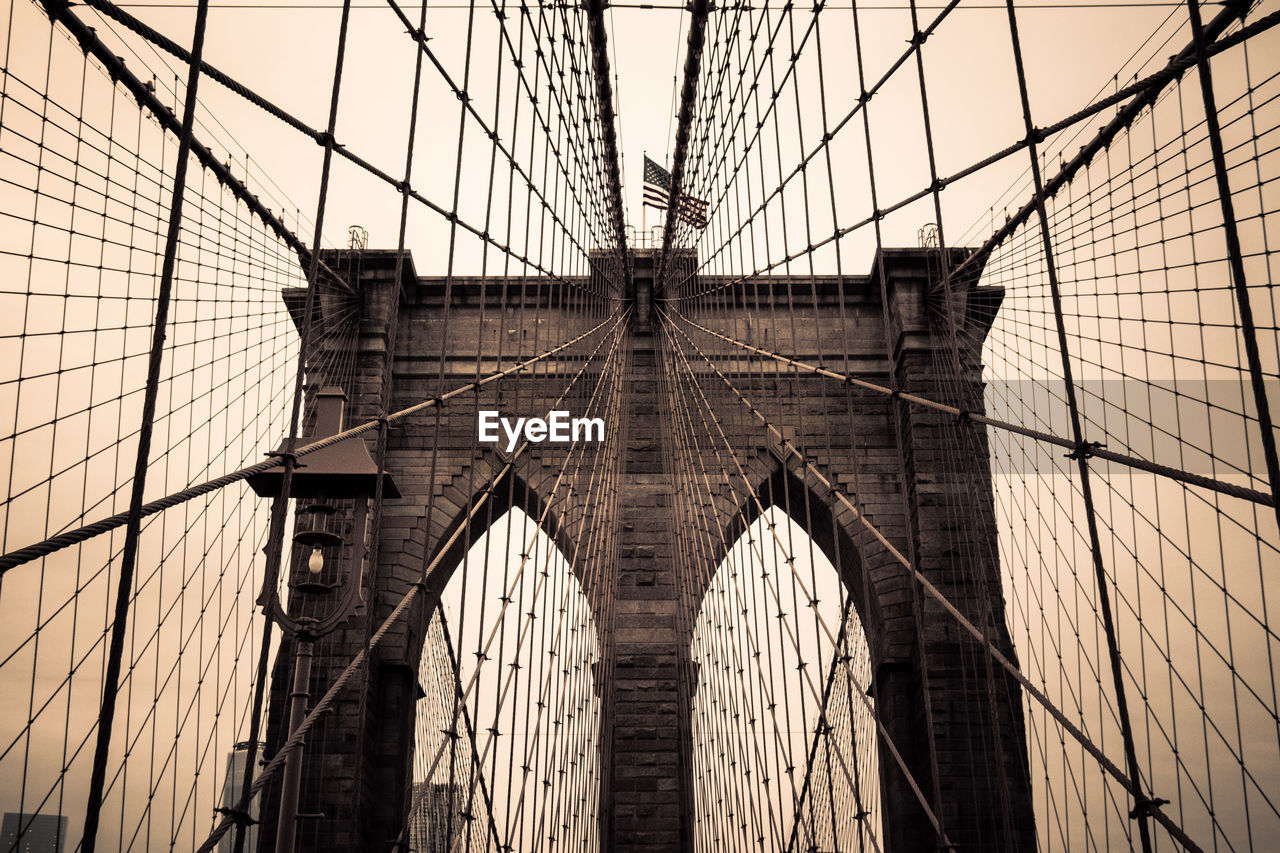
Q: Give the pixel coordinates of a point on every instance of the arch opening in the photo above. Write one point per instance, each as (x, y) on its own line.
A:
(507, 733)
(785, 748)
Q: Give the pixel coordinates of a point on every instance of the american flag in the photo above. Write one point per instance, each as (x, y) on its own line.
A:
(657, 191)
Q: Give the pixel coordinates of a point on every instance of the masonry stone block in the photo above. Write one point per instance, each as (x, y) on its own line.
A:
(896, 463)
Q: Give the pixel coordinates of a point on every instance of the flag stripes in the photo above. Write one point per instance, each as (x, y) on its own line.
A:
(657, 193)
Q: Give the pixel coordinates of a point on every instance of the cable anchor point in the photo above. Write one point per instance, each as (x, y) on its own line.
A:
(239, 817)
(1146, 807)
(1085, 450)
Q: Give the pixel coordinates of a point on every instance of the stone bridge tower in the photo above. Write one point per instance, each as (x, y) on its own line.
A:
(905, 481)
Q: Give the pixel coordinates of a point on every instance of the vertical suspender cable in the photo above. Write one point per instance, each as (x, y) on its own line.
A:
(1239, 283)
(896, 413)
(279, 506)
(133, 529)
(1141, 807)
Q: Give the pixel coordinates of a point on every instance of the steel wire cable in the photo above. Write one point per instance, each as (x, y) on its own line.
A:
(1112, 273)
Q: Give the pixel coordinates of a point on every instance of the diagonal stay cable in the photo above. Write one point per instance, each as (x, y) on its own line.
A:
(357, 662)
(80, 534)
(1230, 489)
(708, 492)
(789, 449)
(464, 694)
(780, 547)
(133, 518)
(1150, 87)
(471, 736)
(823, 726)
(110, 10)
(592, 496)
(115, 66)
(1143, 92)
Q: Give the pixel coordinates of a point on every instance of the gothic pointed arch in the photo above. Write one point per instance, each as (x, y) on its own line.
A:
(508, 695)
(830, 524)
(805, 772)
(508, 490)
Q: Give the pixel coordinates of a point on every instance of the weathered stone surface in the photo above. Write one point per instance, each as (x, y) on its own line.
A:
(898, 462)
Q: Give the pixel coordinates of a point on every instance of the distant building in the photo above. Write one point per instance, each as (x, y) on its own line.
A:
(28, 833)
(232, 788)
(429, 823)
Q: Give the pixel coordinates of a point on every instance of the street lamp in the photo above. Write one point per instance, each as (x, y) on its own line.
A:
(341, 472)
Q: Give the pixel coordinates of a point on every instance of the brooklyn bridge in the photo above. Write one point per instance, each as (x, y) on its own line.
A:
(739, 426)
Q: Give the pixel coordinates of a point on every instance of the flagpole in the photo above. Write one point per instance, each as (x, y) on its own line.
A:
(644, 208)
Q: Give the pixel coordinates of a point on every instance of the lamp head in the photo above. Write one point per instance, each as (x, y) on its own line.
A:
(343, 470)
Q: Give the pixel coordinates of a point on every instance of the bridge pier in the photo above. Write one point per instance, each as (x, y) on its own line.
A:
(647, 796)
(357, 766)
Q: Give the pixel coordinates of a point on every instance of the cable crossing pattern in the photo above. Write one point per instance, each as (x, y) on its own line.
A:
(923, 488)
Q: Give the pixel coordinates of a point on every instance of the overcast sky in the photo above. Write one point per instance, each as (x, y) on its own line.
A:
(1074, 51)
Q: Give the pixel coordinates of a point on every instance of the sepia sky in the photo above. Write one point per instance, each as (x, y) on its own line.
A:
(1194, 575)
(287, 56)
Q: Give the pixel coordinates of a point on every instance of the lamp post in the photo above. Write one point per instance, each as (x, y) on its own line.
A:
(342, 472)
